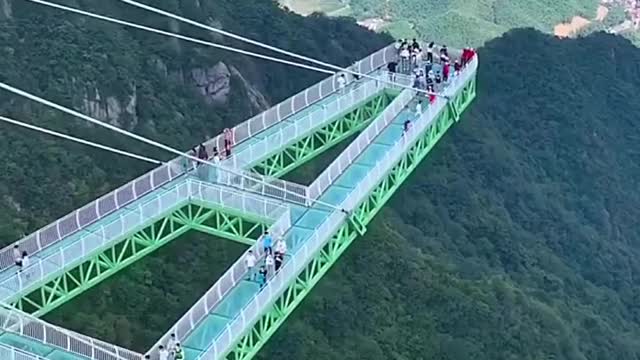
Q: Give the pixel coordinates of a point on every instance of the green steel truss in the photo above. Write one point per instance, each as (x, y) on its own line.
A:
(59, 288)
(264, 328)
(307, 148)
(62, 287)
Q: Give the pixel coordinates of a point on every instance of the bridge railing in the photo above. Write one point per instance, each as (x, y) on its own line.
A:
(349, 155)
(228, 198)
(403, 144)
(11, 353)
(302, 99)
(235, 274)
(90, 213)
(24, 325)
(297, 129)
(254, 183)
(132, 219)
(303, 255)
(126, 194)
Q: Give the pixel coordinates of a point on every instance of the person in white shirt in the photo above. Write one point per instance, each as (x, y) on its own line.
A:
(342, 82)
(269, 262)
(163, 354)
(17, 256)
(419, 108)
(171, 344)
(281, 246)
(250, 262)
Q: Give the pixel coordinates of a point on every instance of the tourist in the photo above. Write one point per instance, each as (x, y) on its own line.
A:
(406, 127)
(163, 354)
(456, 68)
(267, 243)
(432, 94)
(279, 258)
(262, 276)
(392, 68)
(250, 262)
(342, 83)
(428, 67)
(171, 344)
(430, 48)
(269, 262)
(24, 262)
(17, 256)
(228, 141)
(415, 45)
(445, 71)
(179, 352)
(444, 54)
(202, 152)
(419, 109)
(281, 246)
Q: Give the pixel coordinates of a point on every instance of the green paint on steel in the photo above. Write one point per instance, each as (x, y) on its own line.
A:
(303, 150)
(63, 286)
(248, 346)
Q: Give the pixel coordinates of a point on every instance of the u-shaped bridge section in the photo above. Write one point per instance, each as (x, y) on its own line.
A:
(238, 201)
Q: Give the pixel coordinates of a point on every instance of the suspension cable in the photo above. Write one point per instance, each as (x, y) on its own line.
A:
(178, 36)
(151, 142)
(267, 46)
(81, 141)
(224, 47)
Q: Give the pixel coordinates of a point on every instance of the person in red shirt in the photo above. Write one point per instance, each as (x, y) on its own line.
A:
(465, 55)
(432, 95)
(445, 72)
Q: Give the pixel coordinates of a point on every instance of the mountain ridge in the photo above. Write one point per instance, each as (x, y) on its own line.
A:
(515, 239)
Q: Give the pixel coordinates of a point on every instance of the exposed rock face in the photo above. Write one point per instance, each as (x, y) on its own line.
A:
(5, 10)
(258, 101)
(110, 109)
(214, 83)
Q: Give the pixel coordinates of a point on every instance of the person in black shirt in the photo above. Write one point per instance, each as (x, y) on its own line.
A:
(278, 258)
(415, 45)
(392, 67)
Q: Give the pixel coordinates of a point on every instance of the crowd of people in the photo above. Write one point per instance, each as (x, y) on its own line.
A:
(172, 351)
(273, 259)
(429, 72)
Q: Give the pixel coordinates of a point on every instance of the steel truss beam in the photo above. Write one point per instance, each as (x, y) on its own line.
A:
(264, 328)
(322, 139)
(107, 261)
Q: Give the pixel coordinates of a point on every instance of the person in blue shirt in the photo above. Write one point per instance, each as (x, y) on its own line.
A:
(267, 243)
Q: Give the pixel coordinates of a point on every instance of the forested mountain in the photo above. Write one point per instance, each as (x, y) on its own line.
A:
(516, 239)
(171, 91)
(472, 22)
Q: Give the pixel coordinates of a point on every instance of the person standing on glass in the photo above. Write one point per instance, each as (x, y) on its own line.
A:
(267, 243)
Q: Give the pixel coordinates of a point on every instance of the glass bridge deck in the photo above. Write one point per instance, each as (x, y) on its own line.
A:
(264, 136)
(305, 221)
(336, 102)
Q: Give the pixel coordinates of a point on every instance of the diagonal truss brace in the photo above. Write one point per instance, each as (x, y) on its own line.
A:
(248, 346)
(310, 146)
(64, 286)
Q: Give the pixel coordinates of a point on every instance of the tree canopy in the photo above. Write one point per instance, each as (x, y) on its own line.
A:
(516, 239)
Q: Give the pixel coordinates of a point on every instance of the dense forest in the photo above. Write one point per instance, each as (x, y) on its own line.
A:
(475, 21)
(455, 22)
(516, 239)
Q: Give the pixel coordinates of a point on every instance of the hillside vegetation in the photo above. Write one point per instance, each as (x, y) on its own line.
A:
(464, 22)
(516, 239)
